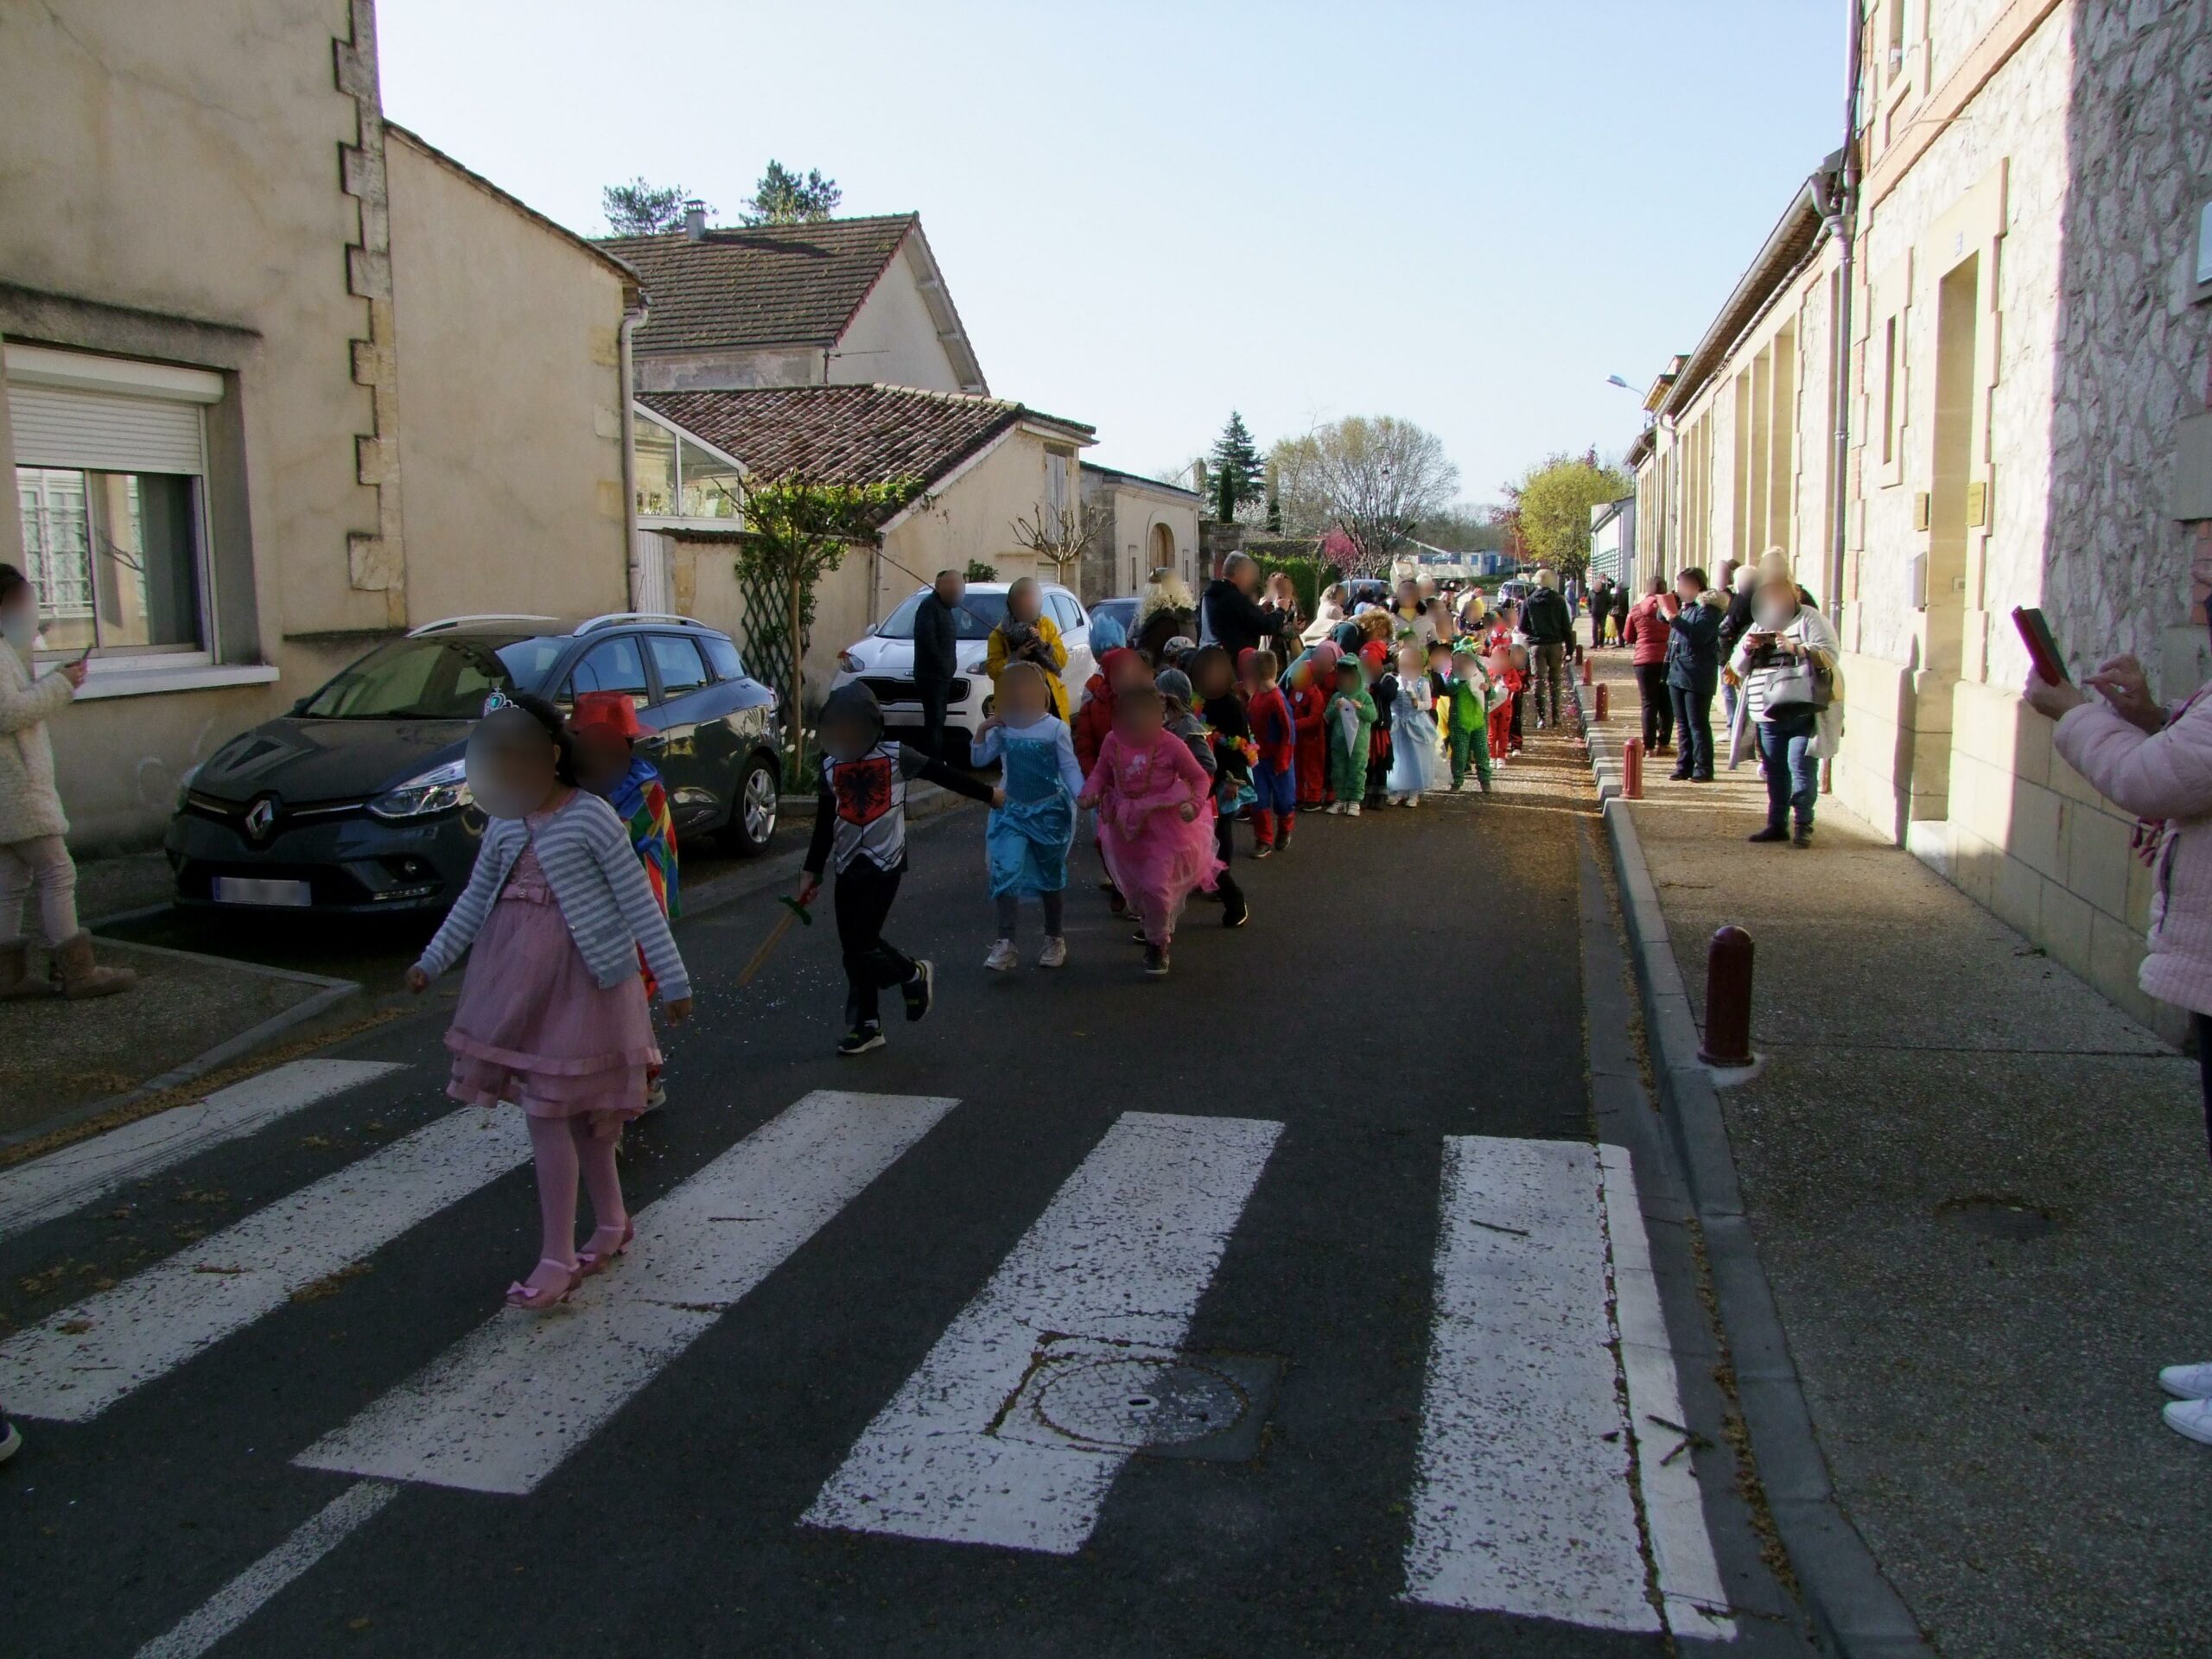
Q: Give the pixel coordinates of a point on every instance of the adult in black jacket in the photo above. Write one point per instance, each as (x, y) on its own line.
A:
(1232, 619)
(1693, 670)
(1550, 628)
(1739, 580)
(937, 657)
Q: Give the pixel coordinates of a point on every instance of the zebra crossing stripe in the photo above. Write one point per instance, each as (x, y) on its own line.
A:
(1521, 1501)
(244, 1596)
(1121, 1255)
(75, 1176)
(1673, 1509)
(501, 1409)
(75, 1364)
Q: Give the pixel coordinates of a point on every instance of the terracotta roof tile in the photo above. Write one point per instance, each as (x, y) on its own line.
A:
(847, 434)
(770, 285)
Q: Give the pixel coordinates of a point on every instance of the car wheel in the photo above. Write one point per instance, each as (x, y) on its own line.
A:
(752, 819)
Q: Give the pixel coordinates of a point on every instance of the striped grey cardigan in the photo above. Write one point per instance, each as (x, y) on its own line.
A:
(596, 879)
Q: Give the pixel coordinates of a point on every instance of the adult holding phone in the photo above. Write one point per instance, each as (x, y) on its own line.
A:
(2155, 762)
(1787, 662)
(34, 857)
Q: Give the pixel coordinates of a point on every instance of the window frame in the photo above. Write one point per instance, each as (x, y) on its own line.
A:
(678, 437)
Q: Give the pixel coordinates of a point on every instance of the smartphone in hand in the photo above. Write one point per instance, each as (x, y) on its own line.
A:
(2043, 649)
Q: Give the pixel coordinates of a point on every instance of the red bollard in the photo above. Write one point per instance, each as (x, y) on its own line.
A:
(1727, 999)
(1602, 689)
(1632, 769)
(1586, 671)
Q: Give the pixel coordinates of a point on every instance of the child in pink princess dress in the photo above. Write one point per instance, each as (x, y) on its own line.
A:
(553, 1014)
(1151, 791)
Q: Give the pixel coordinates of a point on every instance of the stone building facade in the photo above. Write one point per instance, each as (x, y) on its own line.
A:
(2029, 341)
(244, 314)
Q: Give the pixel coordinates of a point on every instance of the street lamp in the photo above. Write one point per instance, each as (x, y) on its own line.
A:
(1615, 380)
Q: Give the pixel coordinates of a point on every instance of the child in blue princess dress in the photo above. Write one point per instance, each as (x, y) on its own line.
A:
(1026, 840)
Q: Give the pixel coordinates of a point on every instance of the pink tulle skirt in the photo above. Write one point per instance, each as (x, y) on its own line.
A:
(533, 1027)
(1159, 868)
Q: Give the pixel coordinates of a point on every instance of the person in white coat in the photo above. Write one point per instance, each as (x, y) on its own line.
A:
(33, 858)
(1787, 662)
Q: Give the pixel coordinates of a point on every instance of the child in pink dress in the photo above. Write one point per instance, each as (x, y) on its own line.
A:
(1150, 791)
(553, 1014)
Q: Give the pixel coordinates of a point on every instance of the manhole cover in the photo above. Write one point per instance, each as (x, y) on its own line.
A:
(1139, 1403)
(1998, 1217)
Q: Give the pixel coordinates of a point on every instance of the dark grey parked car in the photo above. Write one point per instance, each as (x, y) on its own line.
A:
(355, 802)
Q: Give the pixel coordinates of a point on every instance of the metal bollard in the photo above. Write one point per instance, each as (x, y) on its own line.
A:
(1727, 999)
(1632, 769)
(1602, 688)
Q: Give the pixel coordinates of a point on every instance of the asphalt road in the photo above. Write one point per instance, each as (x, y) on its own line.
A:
(1406, 979)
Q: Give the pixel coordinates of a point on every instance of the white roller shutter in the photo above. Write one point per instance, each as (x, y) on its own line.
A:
(58, 426)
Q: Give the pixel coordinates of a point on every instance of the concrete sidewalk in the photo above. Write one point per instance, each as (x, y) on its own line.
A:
(1977, 1191)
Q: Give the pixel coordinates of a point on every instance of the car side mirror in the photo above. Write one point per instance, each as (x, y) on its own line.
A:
(300, 706)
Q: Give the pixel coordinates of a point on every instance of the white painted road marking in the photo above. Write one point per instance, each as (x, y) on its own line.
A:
(501, 1409)
(68, 1180)
(82, 1360)
(1122, 1254)
(1521, 1501)
(244, 1596)
(1674, 1510)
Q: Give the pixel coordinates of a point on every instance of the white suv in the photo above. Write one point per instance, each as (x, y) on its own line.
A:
(883, 660)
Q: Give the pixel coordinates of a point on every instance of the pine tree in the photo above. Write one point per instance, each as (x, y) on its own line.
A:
(1240, 470)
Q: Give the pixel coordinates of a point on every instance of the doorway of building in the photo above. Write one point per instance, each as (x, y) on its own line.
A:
(1943, 645)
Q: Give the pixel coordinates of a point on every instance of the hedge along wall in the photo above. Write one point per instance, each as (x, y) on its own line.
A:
(1308, 575)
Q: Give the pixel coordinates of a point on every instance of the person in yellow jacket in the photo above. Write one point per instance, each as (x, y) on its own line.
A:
(1028, 635)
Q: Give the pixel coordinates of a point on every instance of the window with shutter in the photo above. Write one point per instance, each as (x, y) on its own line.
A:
(110, 461)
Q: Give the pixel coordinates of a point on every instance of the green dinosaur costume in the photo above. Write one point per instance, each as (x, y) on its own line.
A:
(1348, 750)
(1467, 724)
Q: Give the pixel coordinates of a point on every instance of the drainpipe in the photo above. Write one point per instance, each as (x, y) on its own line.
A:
(1846, 216)
(631, 317)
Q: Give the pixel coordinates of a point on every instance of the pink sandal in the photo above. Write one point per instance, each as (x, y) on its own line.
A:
(537, 1301)
(593, 1262)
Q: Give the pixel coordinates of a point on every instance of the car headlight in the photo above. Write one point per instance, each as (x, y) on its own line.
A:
(440, 790)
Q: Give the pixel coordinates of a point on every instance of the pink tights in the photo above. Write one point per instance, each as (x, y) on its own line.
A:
(566, 1147)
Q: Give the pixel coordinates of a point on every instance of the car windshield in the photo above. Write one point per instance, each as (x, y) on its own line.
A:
(445, 676)
(977, 615)
(1124, 611)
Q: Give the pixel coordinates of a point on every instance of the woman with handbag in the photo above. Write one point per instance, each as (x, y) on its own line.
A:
(1787, 662)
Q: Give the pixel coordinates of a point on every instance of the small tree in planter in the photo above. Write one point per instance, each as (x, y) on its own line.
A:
(1057, 536)
(795, 532)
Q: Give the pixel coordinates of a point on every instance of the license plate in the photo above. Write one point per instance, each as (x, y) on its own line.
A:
(258, 890)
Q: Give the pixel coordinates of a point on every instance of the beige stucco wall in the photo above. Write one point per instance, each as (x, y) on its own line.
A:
(186, 165)
(511, 437)
(892, 340)
(970, 518)
(1138, 513)
(729, 370)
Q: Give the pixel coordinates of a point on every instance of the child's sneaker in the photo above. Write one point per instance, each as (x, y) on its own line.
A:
(1235, 910)
(2192, 1418)
(1155, 960)
(1353, 811)
(1263, 850)
(920, 989)
(656, 1092)
(860, 1040)
(10, 1441)
(1004, 958)
(1054, 955)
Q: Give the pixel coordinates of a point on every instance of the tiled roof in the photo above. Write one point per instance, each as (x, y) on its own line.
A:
(847, 434)
(771, 285)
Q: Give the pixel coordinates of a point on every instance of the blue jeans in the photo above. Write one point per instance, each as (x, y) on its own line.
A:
(1793, 771)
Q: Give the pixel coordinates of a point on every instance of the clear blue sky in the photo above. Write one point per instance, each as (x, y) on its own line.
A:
(1466, 214)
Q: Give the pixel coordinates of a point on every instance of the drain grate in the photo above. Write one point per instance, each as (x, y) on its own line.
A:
(1995, 1216)
(1108, 1397)
(1141, 1404)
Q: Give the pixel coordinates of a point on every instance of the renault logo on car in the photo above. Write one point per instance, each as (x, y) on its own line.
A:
(260, 818)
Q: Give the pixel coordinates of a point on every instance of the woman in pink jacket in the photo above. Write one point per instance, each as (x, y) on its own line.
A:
(2157, 763)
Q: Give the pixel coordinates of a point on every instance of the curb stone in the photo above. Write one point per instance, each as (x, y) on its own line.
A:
(332, 1000)
(1854, 1607)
